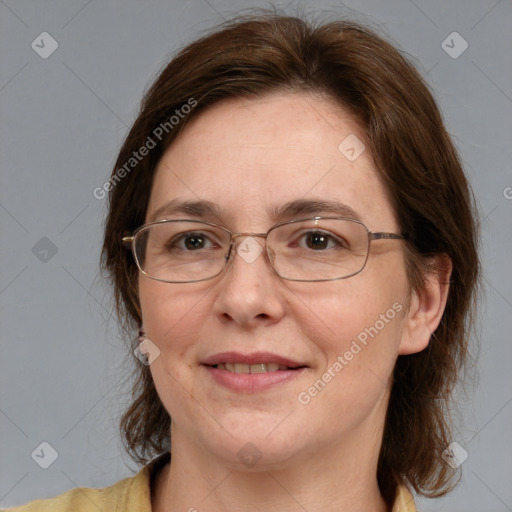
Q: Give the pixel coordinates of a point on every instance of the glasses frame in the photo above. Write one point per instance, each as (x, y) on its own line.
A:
(130, 241)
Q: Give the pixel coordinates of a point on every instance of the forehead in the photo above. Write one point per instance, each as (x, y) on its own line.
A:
(250, 156)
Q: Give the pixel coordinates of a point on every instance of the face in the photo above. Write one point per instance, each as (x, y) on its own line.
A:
(343, 336)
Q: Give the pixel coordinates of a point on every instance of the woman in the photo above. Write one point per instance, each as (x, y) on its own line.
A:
(291, 232)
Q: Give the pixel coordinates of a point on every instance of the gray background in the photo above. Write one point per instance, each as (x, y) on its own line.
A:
(63, 364)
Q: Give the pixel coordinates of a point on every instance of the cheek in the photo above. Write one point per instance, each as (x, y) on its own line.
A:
(357, 324)
(358, 332)
(344, 311)
(170, 312)
(172, 320)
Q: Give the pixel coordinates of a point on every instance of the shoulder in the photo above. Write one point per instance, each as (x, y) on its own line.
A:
(129, 494)
(84, 499)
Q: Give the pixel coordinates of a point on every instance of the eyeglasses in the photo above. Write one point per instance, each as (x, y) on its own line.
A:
(314, 249)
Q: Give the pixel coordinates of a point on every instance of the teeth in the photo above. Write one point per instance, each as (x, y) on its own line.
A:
(242, 368)
(251, 368)
(258, 368)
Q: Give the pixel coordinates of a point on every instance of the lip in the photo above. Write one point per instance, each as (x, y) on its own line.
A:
(254, 358)
(251, 382)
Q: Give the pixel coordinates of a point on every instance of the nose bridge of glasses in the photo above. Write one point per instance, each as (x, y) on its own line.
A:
(249, 252)
(235, 236)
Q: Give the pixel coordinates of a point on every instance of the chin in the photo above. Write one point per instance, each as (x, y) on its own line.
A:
(254, 441)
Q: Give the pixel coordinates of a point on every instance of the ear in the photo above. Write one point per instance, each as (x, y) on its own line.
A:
(426, 307)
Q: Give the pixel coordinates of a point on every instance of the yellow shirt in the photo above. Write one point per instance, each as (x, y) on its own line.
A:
(133, 494)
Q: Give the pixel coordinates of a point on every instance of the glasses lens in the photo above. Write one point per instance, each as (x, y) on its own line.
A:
(178, 251)
(317, 250)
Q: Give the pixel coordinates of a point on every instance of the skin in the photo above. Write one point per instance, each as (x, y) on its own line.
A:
(247, 156)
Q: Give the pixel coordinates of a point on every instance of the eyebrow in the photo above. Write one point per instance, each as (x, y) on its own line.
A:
(278, 213)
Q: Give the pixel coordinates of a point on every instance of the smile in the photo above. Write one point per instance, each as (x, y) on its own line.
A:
(251, 373)
(252, 368)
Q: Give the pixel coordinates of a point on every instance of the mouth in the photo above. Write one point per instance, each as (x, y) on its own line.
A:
(251, 372)
(258, 362)
(254, 368)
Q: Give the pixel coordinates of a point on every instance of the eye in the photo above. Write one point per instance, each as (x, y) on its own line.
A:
(320, 240)
(191, 241)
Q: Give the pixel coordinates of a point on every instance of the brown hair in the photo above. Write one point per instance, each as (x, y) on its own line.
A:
(416, 159)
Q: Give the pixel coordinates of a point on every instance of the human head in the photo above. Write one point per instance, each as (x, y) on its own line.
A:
(417, 163)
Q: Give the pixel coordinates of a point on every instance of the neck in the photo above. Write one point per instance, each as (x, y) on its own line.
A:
(335, 478)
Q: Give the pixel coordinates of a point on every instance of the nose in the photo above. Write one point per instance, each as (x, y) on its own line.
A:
(250, 293)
